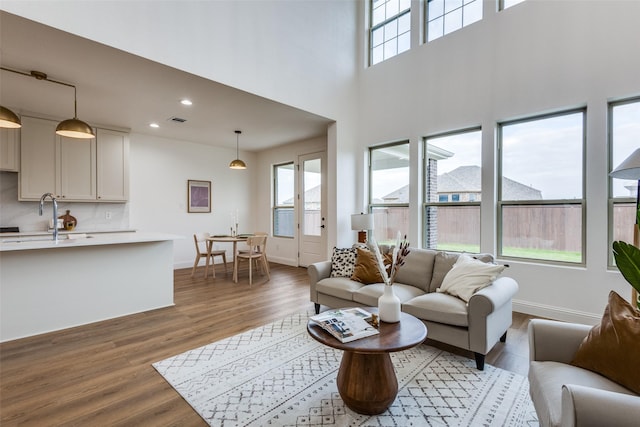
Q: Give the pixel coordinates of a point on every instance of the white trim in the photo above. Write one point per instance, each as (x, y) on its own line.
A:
(556, 313)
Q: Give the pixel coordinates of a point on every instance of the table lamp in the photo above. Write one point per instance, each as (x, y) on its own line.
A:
(630, 169)
(362, 222)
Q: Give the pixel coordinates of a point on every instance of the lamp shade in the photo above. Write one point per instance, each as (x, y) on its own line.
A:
(237, 164)
(362, 222)
(74, 128)
(8, 119)
(629, 168)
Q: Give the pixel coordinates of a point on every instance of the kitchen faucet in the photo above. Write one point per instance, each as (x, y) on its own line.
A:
(55, 213)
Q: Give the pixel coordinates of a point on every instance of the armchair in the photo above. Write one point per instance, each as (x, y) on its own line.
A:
(566, 395)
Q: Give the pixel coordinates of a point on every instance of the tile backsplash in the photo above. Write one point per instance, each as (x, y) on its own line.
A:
(90, 216)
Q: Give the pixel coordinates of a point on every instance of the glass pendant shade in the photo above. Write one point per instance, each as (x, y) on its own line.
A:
(8, 119)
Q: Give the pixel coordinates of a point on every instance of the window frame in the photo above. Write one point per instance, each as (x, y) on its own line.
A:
(277, 206)
(427, 19)
(425, 173)
(500, 204)
(373, 28)
(371, 206)
(611, 200)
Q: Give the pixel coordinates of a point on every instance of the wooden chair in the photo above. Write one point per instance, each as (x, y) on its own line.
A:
(201, 243)
(258, 248)
(253, 254)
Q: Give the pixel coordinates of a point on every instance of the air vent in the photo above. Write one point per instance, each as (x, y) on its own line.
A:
(177, 119)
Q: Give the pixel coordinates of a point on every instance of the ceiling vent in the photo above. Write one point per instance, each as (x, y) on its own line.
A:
(177, 119)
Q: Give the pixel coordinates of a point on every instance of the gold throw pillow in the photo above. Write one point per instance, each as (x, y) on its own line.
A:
(612, 348)
(366, 268)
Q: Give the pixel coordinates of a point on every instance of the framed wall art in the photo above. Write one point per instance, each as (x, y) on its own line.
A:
(198, 196)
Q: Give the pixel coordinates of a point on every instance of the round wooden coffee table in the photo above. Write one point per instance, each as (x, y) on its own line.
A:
(366, 379)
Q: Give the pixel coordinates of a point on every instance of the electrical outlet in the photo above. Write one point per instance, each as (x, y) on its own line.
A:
(107, 215)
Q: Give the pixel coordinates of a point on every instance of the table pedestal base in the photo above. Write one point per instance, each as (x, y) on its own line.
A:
(367, 382)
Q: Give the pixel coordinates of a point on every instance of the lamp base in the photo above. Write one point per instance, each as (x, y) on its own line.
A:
(362, 236)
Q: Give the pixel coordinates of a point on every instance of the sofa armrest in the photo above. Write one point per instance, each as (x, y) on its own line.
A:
(489, 299)
(317, 271)
(555, 341)
(587, 406)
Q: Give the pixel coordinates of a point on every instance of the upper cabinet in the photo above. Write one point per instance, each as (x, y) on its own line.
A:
(113, 165)
(79, 170)
(9, 150)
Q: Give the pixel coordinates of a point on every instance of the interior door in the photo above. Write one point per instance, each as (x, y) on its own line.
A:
(312, 208)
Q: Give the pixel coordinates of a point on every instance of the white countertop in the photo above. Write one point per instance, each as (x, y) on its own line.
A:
(30, 242)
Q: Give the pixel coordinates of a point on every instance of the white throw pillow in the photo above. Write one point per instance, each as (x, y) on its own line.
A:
(467, 276)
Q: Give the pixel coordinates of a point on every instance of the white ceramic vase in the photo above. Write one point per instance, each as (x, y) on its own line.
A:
(389, 306)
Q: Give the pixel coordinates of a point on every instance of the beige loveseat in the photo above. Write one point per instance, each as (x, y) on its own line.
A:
(476, 326)
(566, 395)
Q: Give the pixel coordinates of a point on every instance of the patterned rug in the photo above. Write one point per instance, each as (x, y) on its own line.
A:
(276, 375)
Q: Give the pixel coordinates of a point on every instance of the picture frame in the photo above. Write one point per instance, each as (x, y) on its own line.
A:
(198, 196)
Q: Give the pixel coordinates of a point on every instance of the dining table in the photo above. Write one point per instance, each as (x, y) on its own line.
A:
(225, 239)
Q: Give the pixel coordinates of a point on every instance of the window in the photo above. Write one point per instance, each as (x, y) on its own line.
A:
(446, 16)
(389, 190)
(452, 173)
(283, 200)
(541, 188)
(505, 4)
(624, 125)
(390, 31)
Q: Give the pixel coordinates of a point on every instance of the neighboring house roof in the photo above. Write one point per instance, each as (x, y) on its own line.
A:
(467, 179)
(312, 195)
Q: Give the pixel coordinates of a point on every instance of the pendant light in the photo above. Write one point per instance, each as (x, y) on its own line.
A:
(237, 163)
(8, 119)
(73, 128)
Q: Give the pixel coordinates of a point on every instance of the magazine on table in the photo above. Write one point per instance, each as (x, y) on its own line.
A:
(346, 324)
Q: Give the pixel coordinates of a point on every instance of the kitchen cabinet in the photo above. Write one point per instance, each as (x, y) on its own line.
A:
(113, 165)
(9, 150)
(78, 170)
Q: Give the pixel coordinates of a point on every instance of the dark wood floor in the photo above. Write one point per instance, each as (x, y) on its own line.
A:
(101, 374)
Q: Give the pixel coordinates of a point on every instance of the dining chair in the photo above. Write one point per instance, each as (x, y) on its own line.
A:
(253, 254)
(258, 248)
(200, 240)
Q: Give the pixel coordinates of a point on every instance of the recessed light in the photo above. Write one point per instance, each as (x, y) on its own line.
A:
(186, 102)
(154, 125)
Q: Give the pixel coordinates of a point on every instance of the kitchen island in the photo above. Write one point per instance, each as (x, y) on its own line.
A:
(47, 286)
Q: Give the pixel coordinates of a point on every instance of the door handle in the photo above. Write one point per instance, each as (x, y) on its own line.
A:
(322, 226)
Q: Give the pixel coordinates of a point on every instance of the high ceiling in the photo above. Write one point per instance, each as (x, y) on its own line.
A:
(115, 88)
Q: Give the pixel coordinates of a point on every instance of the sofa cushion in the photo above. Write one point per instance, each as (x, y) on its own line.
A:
(343, 261)
(612, 347)
(545, 386)
(468, 276)
(440, 308)
(444, 262)
(366, 270)
(339, 287)
(417, 269)
(368, 295)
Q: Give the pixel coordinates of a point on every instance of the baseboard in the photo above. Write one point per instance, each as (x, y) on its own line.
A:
(556, 313)
(278, 260)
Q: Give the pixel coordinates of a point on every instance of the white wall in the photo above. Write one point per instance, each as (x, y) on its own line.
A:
(160, 169)
(536, 57)
(301, 53)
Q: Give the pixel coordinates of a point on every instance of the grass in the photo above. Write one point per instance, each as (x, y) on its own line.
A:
(528, 253)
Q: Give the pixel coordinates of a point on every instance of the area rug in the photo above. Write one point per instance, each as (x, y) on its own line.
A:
(277, 375)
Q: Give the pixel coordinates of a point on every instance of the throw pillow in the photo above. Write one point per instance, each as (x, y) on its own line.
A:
(442, 265)
(343, 261)
(612, 348)
(366, 270)
(467, 276)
